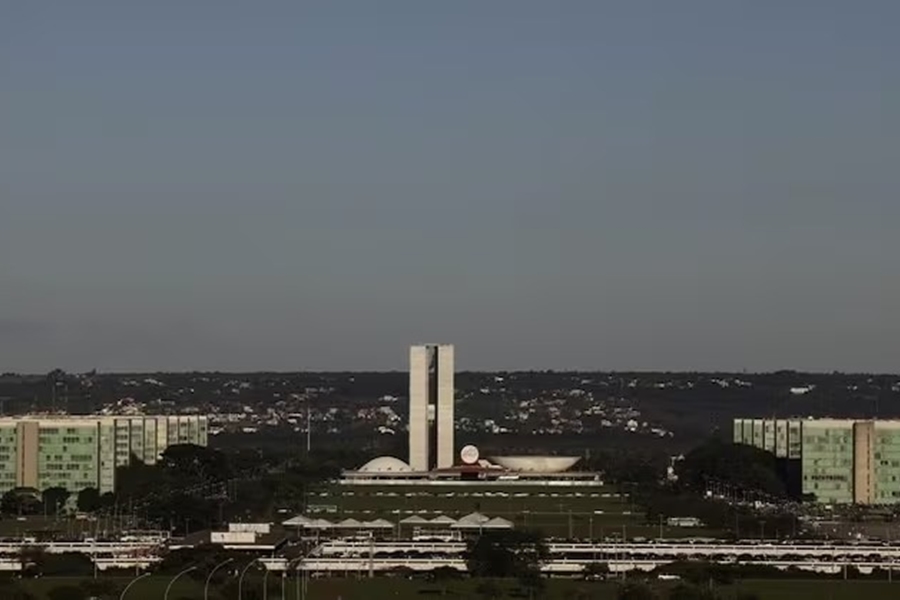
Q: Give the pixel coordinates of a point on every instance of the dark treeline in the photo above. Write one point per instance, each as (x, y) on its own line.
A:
(192, 488)
(731, 488)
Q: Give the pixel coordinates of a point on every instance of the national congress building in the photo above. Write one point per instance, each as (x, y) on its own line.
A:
(431, 399)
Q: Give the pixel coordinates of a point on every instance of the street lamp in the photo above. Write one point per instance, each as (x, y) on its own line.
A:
(266, 584)
(131, 583)
(210, 576)
(287, 570)
(169, 587)
(241, 578)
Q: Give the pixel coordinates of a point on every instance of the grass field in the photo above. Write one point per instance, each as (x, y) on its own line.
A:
(400, 589)
(583, 512)
(596, 512)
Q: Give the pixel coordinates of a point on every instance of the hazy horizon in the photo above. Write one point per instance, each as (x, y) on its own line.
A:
(621, 186)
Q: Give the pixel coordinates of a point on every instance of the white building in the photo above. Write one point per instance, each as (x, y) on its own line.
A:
(431, 398)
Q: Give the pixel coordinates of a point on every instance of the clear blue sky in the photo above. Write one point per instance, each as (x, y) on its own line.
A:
(572, 184)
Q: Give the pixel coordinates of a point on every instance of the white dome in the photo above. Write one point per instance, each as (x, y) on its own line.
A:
(385, 464)
(536, 464)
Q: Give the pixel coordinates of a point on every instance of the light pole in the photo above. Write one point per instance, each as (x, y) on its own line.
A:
(210, 576)
(266, 584)
(241, 578)
(169, 587)
(287, 571)
(131, 583)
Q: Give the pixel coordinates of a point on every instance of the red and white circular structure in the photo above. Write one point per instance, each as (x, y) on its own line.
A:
(469, 455)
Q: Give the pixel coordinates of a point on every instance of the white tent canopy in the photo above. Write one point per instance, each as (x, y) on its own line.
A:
(474, 520)
(379, 524)
(414, 520)
(349, 524)
(498, 523)
(442, 520)
(298, 521)
(320, 524)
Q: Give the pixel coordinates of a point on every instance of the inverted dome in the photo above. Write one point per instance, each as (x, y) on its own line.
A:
(536, 464)
(385, 464)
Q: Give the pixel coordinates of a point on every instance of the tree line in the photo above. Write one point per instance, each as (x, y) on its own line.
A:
(189, 488)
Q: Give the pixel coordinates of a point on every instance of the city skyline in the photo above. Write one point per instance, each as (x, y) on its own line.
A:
(610, 186)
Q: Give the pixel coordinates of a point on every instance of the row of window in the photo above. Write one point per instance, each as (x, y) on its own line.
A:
(89, 439)
(828, 462)
(827, 449)
(834, 487)
(830, 439)
(825, 477)
(65, 467)
(68, 430)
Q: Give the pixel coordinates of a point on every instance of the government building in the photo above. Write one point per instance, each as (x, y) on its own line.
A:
(77, 452)
(841, 461)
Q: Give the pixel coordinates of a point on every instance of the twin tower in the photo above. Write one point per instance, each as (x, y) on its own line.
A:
(431, 397)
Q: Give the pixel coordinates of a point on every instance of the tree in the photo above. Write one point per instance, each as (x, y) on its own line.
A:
(182, 513)
(89, 500)
(137, 479)
(21, 501)
(507, 553)
(67, 564)
(286, 487)
(743, 467)
(194, 464)
(54, 499)
(639, 467)
(107, 500)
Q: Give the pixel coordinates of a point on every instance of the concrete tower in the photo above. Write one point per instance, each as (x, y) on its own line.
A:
(431, 397)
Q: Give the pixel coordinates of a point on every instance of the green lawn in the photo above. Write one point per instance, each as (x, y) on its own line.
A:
(589, 511)
(401, 589)
(822, 590)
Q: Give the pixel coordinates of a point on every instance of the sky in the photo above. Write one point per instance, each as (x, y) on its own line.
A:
(615, 185)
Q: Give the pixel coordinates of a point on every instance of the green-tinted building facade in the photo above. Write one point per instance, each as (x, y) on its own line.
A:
(841, 461)
(827, 456)
(77, 452)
